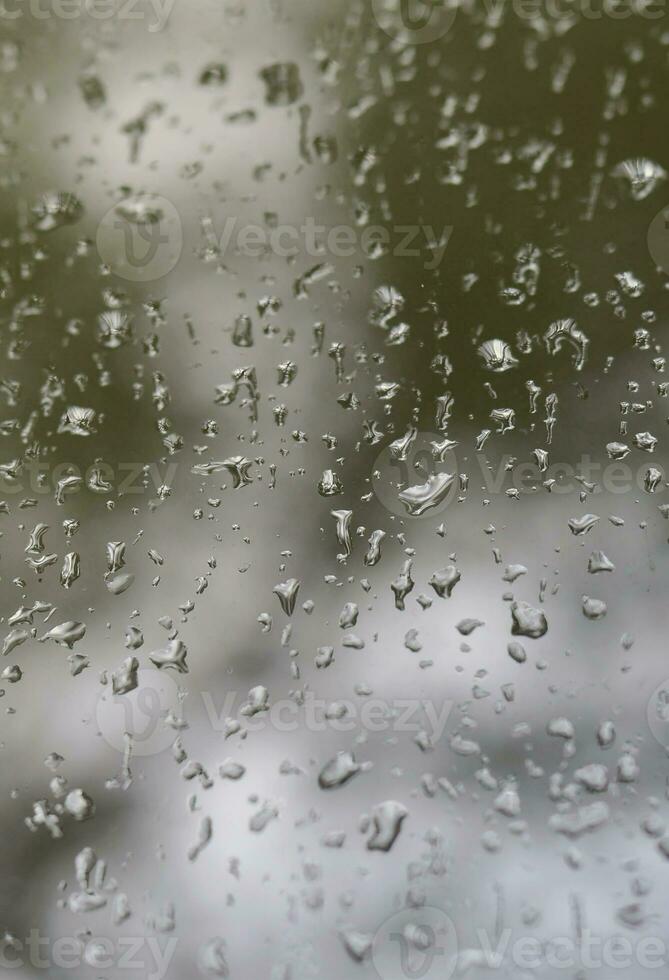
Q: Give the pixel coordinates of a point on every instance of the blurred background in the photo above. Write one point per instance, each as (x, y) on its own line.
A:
(507, 168)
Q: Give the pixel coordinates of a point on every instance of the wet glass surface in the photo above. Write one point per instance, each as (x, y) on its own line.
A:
(333, 494)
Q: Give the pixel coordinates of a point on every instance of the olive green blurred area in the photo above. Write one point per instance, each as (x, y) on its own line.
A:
(501, 139)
